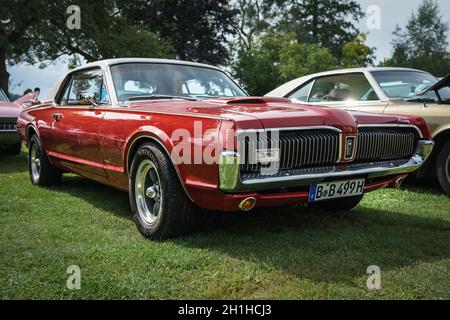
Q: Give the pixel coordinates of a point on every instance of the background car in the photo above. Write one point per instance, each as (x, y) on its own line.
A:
(180, 136)
(385, 90)
(10, 142)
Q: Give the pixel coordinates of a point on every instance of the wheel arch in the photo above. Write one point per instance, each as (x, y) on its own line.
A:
(139, 139)
(30, 131)
(440, 139)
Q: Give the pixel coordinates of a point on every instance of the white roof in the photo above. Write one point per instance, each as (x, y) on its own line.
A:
(110, 62)
(291, 85)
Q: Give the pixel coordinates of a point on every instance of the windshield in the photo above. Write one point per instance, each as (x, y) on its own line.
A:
(3, 96)
(156, 80)
(407, 84)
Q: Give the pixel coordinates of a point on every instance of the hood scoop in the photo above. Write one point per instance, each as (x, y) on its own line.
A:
(257, 100)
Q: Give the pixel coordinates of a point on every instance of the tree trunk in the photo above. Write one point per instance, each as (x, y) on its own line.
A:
(4, 74)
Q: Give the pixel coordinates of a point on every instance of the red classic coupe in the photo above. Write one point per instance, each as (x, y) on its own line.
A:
(179, 136)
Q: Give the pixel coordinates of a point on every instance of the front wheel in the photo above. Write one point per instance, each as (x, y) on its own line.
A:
(338, 205)
(161, 208)
(443, 168)
(42, 172)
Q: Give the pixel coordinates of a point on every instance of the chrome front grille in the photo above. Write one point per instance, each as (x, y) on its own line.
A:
(8, 126)
(297, 149)
(378, 144)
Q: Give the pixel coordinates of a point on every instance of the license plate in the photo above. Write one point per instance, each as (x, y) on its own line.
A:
(334, 190)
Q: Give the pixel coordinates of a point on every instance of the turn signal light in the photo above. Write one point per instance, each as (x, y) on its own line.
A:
(247, 204)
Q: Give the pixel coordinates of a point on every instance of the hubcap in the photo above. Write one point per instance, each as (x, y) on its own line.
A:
(148, 193)
(35, 162)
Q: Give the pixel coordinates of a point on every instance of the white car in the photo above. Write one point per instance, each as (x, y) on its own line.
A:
(385, 90)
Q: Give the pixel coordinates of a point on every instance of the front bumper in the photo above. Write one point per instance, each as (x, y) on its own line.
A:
(232, 181)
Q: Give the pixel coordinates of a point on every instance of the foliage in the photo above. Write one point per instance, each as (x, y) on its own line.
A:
(326, 23)
(36, 31)
(356, 54)
(297, 59)
(280, 40)
(196, 29)
(423, 44)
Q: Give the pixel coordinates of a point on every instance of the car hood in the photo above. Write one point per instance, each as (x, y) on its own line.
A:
(270, 112)
(9, 110)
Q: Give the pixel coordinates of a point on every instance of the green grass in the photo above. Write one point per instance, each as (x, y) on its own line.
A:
(290, 253)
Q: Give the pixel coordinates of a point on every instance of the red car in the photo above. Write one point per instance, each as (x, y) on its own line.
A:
(9, 112)
(180, 136)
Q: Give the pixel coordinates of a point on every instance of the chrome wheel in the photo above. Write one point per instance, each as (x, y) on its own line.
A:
(35, 162)
(148, 193)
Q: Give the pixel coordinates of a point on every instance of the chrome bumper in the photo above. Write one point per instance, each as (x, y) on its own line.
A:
(232, 181)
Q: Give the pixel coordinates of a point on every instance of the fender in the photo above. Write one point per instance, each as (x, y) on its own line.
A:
(162, 139)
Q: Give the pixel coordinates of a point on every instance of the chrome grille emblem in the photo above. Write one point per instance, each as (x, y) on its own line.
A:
(350, 147)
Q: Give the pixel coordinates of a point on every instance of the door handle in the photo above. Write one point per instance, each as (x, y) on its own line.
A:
(57, 116)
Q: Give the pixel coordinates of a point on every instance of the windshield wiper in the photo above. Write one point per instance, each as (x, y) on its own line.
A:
(158, 97)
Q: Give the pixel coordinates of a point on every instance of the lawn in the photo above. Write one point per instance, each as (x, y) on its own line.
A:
(289, 253)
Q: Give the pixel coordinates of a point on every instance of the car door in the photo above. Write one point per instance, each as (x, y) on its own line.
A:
(75, 140)
(347, 91)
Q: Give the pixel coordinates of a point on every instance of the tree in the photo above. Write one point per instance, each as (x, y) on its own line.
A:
(252, 22)
(298, 59)
(356, 54)
(196, 29)
(36, 31)
(278, 59)
(326, 23)
(258, 68)
(423, 45)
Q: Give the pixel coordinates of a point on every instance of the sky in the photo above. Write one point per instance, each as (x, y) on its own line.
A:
(392, 13)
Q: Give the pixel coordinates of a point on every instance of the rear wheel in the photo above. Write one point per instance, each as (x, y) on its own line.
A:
(443, 168)
(42, 172)
(338, 205)
(161, 208)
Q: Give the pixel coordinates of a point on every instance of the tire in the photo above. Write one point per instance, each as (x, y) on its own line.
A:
(42, 172)
(443, 168)
(338, 205)
(161, 209)
(13, 149)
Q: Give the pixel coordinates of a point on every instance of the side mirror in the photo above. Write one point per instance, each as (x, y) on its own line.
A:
(89, 97)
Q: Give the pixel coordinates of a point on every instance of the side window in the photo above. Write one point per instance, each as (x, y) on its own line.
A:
(345, 87)
(86, 83)
(302, 93)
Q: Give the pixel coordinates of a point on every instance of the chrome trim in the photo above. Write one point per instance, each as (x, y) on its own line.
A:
(289, 129)
(392, 126)
(231, 182)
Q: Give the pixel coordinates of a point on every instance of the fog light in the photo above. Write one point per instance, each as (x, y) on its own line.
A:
(247, 204)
